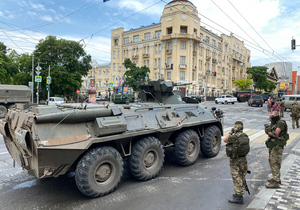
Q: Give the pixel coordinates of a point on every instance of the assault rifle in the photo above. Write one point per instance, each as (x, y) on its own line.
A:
(246, 186)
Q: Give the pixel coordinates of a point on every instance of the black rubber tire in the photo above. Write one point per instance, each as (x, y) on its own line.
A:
(147, 158)
(226, 102)
(232, 102)
(3, 111)
(187, 147)
(216, 101)
(210, 144)
(107, 162)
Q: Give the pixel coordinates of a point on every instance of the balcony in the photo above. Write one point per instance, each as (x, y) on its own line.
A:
(135, 56)
(145, 55)
(207, 58)
(182, 66)
(169, 51)
(214, 60)
(194, 52)
(169, 66)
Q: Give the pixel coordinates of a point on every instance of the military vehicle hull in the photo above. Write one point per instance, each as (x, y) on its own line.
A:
(93, 140)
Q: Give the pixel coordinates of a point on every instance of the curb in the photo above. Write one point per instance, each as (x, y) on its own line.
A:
(261, 199)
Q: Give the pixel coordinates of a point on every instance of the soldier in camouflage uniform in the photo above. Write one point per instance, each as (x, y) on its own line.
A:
(278, 136)
(238, 160)
(295, 110)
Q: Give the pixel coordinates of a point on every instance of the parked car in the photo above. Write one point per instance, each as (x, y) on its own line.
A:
(226, 99)
(266, 96)
(256, 100)
(55, 101)
(101, 97)
(289, 100)
(199, 98)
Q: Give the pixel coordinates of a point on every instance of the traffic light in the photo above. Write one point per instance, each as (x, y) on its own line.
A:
(47, 87)
(39, 87)
(293, 44)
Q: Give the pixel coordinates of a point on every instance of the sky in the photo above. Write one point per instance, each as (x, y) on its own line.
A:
(265, 26)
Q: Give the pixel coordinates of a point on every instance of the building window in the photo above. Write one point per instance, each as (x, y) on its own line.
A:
(219, 45)
(126, 40)
(114, 67)
(116, 41)
(182, 75)
(169, 61)
(118, 54)
(213, 42)
(155, 63)
(207, 39)
(182, 60)
(156, 48)
(169, 75)
(193, 76)
(201, 35)
(99, 83)
(159, 63)
(136, 38)
(147, 36)
(148, 63)
(183, 45)
(159, 47)
(99, 72)
(169, 30)
(137, 64)
(183, 29)
(155, 76)
(169, 46)
(157, 34)
(114, 54)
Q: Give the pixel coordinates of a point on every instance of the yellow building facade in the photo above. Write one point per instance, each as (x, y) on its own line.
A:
(180, 49)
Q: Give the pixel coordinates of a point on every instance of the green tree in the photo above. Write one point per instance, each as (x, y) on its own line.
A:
(4, 62)
(68, 63)
(134, 74)
(242, 84)
(259, 77)
(271, 87)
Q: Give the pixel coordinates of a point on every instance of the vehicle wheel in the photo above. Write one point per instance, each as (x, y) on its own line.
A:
(210, 144)
(99, 171)
(226, 102)
(146, 159)
(232, 102)
(216, 101)
(3, 111)
(187, 147)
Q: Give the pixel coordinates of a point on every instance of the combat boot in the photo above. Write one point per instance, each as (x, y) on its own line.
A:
(236, 199)
(271, 180)
(272, 184)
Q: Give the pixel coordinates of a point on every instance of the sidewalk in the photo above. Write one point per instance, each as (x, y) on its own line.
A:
(288, 195)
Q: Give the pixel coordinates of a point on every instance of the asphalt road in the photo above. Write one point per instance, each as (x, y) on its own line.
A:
(205, 185)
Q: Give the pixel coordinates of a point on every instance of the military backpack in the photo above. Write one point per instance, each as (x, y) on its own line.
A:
(240, 148)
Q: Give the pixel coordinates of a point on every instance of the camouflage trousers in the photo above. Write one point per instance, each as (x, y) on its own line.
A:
(275, 157)
(281, 112)
(238, 168)
(295, 120)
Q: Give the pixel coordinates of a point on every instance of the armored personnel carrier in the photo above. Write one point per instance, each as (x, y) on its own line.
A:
(93, 139)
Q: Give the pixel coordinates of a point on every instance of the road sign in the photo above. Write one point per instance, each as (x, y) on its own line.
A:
(38, 70)
(48, 80)
(111, 84)
(120, 89)
(38, 78)
(77, 91)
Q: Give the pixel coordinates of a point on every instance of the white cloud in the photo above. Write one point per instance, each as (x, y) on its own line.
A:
(47, 18)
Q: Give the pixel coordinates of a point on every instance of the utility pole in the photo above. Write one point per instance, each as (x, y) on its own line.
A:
(49, 83)
(32, 78)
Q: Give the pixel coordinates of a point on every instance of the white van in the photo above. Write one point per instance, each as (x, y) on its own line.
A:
(289, 100)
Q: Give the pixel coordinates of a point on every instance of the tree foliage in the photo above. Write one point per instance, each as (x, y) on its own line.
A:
(259, 77)
(242, 84)
(68, 63)
(134, 74)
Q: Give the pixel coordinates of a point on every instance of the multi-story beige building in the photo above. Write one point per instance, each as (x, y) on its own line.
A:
(180, 49)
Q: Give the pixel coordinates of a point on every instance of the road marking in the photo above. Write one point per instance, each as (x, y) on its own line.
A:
(1, 153)
(259, 136)
(293, 136)
(251, 132)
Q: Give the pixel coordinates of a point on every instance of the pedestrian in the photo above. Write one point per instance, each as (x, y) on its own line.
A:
(295, 111)
(278, 135)
(237, 148)
(282, 108)
(269, 105)
(276, 106)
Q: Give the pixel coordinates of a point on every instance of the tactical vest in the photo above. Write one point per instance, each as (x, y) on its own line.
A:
(282, 138)
(240, 148)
